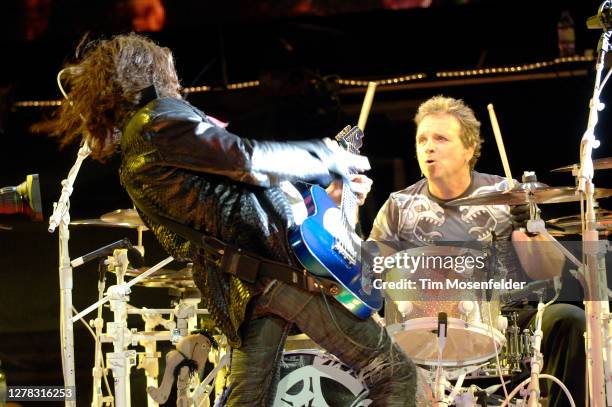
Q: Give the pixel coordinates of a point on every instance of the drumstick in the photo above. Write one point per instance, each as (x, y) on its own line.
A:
(367, 104)
(500, 145)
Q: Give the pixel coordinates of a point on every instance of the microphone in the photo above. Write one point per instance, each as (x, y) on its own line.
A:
(442, 333)
(442, 325)
(522, 293)
(134, 256)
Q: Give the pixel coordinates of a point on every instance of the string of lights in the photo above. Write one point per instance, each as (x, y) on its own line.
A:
(515, 68)
(364, 83)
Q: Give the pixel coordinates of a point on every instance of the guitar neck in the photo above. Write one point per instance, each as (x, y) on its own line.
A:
(350, 139)
(349, 207)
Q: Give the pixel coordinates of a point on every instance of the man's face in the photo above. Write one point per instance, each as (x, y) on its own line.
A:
(440, 151)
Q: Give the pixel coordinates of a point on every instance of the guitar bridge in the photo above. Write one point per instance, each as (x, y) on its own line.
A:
(345, 253)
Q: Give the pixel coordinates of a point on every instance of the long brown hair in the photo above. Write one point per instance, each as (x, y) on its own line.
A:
(105, 86)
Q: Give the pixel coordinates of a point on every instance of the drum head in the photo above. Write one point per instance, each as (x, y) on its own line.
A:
(467, 343)
(313, 378)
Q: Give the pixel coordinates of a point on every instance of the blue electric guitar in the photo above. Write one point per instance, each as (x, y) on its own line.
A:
(326, 243)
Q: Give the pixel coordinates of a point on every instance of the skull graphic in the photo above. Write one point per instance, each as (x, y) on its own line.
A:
(424, 217)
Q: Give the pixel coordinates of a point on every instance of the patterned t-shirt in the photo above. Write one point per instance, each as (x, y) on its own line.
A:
(414, 215)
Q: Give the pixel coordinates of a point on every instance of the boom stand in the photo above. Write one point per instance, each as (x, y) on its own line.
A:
(61, 218)
(596, 304)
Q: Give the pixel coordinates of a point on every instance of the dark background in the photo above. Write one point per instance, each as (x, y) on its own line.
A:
(542, 120)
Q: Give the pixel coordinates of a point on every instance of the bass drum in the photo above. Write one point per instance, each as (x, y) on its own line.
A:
(318, 379)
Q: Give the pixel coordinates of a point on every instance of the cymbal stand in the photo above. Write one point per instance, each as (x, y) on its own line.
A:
(61, 218)
(148, 339)
(149, 360)
(596, 302)
(97, 399)
(202, 392)
(121, 359)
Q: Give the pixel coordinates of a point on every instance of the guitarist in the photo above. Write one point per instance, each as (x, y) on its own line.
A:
(217, 199)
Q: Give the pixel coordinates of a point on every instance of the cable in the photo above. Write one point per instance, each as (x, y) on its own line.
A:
(542, 376)
(58, 78)
(540, 314)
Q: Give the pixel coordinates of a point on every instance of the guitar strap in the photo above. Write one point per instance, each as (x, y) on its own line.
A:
(240, 263)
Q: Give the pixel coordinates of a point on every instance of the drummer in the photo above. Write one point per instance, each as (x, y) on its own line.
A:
(448, 144)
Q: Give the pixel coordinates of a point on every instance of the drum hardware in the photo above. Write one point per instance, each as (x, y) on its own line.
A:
(469, 340)
(149, 360)
(202, 393)
(223, 352)
(121, 359)
(572, 225)
(181, 280)
(459, 395)
(537, 358)
(98, 371)
(597, 308)
(125, 218)
(514, 345)
(522, 195)
(526, 339)
(598, 164)
(191, 352)
(183, 316)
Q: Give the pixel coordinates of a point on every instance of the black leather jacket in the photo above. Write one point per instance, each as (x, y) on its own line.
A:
(186, 168)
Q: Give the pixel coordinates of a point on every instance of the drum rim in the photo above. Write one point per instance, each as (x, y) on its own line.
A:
(432, 322)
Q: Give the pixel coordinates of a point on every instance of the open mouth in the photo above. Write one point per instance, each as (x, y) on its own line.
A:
(430, 161)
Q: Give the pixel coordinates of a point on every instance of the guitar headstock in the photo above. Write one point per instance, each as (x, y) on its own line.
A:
(350, 138)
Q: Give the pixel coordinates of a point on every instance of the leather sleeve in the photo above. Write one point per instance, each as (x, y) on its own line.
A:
(186, 140)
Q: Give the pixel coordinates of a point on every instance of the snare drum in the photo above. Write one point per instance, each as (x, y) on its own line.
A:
(316, 378)
(469, 342)
(474, 328)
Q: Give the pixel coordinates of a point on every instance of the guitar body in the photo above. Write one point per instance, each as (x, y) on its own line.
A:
(314, 244)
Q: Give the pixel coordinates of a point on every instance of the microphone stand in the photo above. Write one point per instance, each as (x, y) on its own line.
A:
(61, 218)
(597, 308)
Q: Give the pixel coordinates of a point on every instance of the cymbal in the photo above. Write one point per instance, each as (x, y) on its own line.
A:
(123, 216)
(165, 278)
(127, 218)
(572, 224)
(598, 164)
(521, 196)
